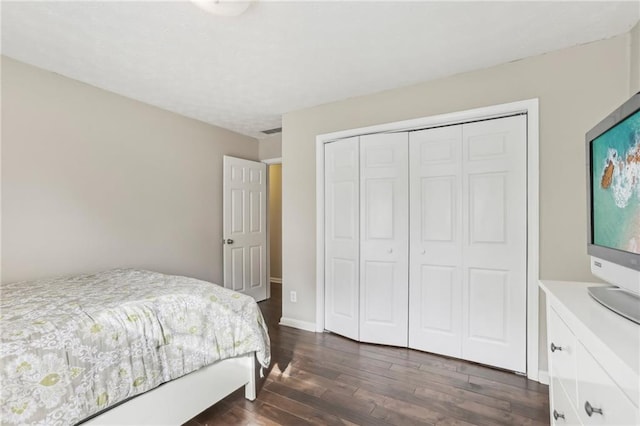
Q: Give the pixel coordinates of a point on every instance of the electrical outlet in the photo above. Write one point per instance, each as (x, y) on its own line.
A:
(293, 296)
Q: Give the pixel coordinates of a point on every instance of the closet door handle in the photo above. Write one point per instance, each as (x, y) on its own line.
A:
(557, 415)
(555, 348)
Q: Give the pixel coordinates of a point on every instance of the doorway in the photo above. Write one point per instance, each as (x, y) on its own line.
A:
(274, 214)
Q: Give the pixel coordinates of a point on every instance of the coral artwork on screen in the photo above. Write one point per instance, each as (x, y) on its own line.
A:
(616, 186)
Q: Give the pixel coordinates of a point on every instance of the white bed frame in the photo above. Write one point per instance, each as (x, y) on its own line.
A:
(175, 402)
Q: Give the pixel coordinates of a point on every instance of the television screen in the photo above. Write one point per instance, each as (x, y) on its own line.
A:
(615, 166)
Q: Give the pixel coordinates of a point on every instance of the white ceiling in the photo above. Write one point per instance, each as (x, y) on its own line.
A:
(243, 73)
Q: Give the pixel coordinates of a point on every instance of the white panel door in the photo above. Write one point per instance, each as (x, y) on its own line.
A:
(342, 237)
(244, 226)
(494, 248)
(435, 289)
(384, 234)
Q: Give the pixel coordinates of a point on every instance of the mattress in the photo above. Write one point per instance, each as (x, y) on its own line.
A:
(71, 347)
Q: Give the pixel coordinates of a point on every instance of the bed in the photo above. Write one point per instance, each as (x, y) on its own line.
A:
(158, 348)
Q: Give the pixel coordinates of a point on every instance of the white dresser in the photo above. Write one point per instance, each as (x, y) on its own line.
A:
(594, 359)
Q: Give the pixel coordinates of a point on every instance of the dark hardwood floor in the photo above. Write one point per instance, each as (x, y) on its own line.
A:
(325, 379)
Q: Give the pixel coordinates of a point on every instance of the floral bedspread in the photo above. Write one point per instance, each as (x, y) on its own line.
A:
(71, 347)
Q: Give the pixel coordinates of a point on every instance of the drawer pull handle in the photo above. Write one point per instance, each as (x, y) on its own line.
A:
(555, 348)
(590, 410)
(557, 415)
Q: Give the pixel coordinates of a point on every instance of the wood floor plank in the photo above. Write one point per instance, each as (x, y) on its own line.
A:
(303, 385)
(298, 409)
(385, 387)
(397, 418)
(500, 390)
(321, 369)
(464, 394)
(533, 411)
(268, 412)
(212, 412)
(415, 356)
(326, 379)
(392, 360)
(440, 403)
(499, 376)
(342, 408)
(424, 377)
(351, 403)
(230, 418)
(336, 355)
(320, 383)
(418, 357)
(415, 411)
(433, 370)
(450, 421)
(496, 416)
(383, 375)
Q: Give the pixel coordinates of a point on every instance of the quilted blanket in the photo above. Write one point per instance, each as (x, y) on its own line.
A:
(71, 347)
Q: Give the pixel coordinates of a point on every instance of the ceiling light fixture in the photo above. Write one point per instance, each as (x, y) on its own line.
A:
(223, 7)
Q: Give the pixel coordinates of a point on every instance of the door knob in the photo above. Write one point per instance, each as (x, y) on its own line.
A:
(227, 241)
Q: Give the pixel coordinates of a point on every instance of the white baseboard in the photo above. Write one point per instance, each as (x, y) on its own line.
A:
(302, 325)
(543, 377)
(276, 280)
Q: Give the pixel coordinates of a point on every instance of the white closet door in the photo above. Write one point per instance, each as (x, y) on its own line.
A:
(494, 167)
(384, 230)
(342, 239)
(435, 289)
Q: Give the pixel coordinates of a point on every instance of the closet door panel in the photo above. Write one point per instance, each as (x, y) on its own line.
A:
(342, 237)
(379, 293)
(384, 238)
(435, 317)
(494, 248)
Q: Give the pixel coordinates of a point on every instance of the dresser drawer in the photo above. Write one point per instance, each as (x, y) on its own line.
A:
(562, 411)
(600, 400)
(562, 354)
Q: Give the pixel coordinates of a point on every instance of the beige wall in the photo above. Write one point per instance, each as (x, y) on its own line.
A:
(92, 180)
(635, 60)
(275, 220)
(270, 147)
(576, 88)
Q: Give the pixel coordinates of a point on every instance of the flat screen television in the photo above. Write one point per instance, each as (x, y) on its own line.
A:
(613, 181)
